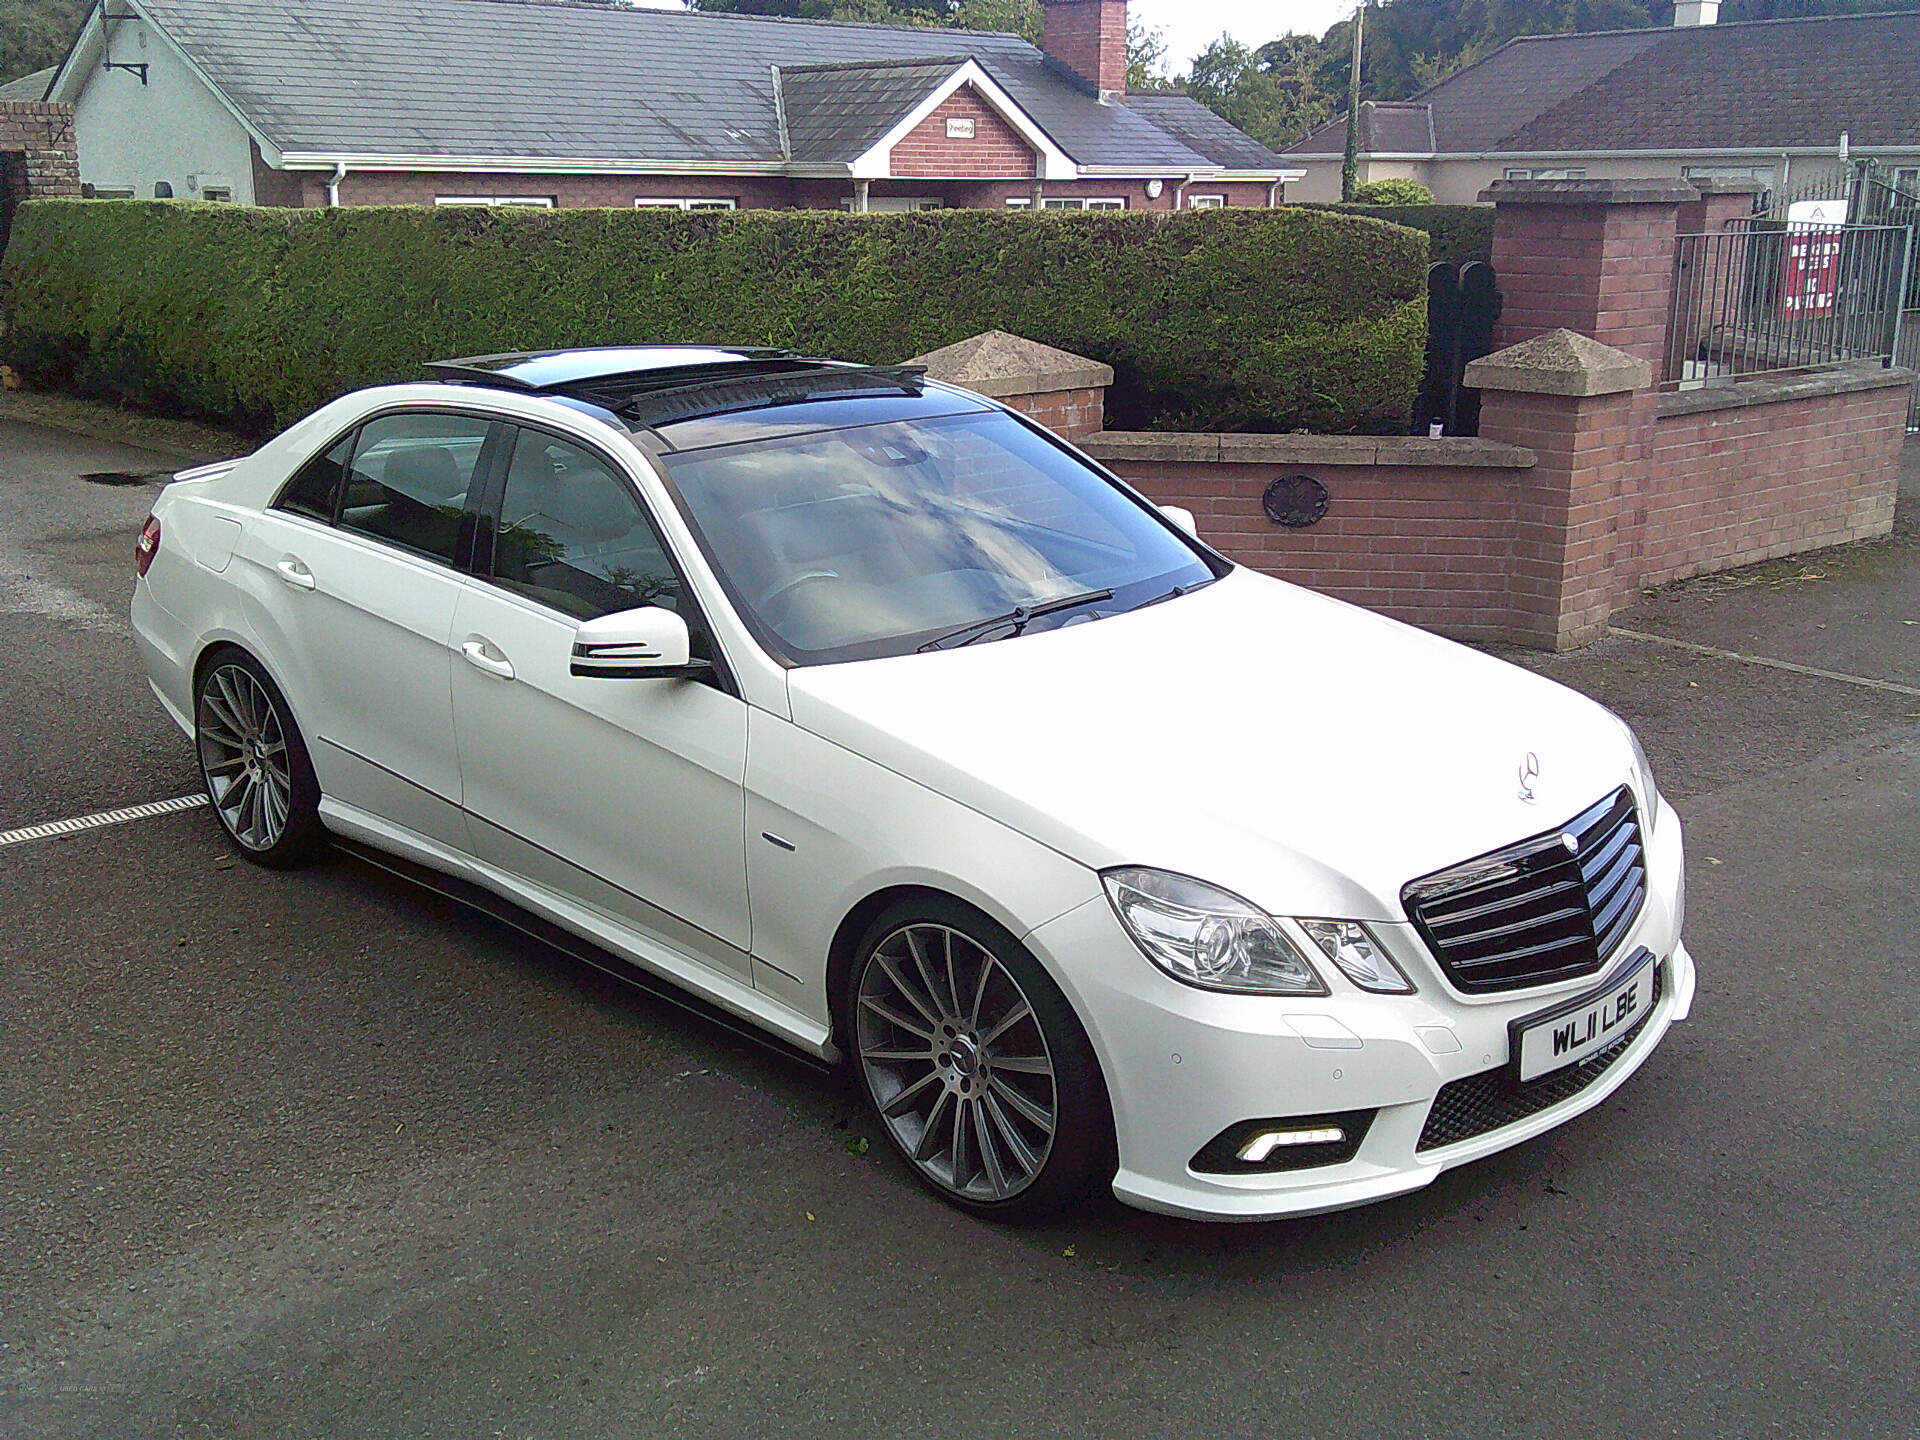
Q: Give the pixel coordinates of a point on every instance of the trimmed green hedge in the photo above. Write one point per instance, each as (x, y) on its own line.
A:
(1223, 320)
(1458, 233)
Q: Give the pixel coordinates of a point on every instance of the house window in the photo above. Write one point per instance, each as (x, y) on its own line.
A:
(651, 202)
(1019, 202)
(1762, 173)
(1551, 173)
(959, 129)
(1908, 179)
(1067, 202)
(1206, 202)
(217, 194)
(539, 202)
(898, 204)
(1112, 204)
(112, 192)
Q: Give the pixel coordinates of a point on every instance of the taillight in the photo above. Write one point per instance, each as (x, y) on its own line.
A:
(147, 546)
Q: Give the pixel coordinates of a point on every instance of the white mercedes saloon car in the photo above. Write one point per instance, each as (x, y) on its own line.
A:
(873, 714)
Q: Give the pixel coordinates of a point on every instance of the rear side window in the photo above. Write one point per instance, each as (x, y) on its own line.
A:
(316, 489)
(572, 536)
(409, 480)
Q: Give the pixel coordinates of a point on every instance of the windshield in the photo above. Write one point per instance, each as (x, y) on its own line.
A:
(882, 539)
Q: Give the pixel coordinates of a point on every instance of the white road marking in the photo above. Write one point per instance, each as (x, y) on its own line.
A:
(104, 817)
(1887, 685)
(23, 593)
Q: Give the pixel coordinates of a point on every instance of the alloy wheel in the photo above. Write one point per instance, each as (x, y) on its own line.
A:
(243, 750)
(956, 1062)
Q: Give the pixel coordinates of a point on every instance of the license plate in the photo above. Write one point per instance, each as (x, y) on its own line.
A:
(1576, 1030)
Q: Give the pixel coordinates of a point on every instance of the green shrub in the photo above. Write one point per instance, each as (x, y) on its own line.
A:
(1394, 190)
(1253, 320)
(1458, 233)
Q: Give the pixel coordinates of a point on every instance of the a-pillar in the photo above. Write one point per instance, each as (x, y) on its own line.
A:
(1573, 402)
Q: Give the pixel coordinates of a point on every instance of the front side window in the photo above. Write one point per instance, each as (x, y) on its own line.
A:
(573, 537)
(882, 539)
(409, 481)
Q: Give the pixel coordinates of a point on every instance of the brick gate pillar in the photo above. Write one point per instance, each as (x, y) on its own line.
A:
(1572, 401)
(1594, 258)
(37, 156)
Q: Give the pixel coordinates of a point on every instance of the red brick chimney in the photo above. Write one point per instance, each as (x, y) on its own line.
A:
(1089, 37)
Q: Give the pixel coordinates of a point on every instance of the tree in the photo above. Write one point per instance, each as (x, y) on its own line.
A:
(36, 33)
(1273, 93)
(1394, 190)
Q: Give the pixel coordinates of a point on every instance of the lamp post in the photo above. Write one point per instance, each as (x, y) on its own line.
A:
(1350, 166)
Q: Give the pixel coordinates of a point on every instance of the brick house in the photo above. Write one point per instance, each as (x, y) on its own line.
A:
(1765, 101)
(565, 102)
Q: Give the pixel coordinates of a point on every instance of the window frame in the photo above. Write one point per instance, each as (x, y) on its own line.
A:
(1206, 202)
(530, 202)
(493, 496)
(686, 202)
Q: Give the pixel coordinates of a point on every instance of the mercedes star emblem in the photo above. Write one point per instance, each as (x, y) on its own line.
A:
(1529, 772)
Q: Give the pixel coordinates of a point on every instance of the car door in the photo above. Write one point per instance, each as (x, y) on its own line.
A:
(352, 583)
(623, 794)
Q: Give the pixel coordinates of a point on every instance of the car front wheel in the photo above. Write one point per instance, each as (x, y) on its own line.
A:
(975, 1065)
(254, 763)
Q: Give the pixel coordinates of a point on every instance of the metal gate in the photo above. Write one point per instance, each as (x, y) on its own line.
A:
(1462, 304)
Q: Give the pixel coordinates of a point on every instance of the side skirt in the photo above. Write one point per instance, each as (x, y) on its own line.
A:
(554, 922)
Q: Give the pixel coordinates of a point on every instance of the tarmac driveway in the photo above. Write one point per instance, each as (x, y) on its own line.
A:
(320, 1154)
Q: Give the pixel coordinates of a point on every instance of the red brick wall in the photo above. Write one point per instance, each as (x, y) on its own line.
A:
(1431, 544)
(997, 150)
(1071, 414)
(1730, 487)
(309, 188)
(411, 187)
(1089, 37)
(42, 135)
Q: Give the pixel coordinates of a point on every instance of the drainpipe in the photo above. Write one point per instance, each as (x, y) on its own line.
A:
(333, 185)
(1273, 190)
(1180, 191)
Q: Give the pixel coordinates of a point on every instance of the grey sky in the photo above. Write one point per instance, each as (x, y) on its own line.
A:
(1190, 25)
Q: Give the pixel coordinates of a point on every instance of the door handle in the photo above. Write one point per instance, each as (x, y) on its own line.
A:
(295, 573)
(477, 656)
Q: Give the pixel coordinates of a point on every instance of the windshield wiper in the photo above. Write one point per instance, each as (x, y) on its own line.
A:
(1016, 617)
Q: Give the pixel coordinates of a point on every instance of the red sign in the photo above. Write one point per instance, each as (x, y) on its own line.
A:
(1813, 272)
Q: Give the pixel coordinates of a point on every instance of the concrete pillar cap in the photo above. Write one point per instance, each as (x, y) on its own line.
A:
(1590, 192)
(1560, 362)
(999, 364)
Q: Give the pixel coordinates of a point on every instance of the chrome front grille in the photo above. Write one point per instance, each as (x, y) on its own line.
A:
(1549, 908)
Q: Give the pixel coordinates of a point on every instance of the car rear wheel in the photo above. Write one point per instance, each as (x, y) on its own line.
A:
(254, 763)
(975, 1065)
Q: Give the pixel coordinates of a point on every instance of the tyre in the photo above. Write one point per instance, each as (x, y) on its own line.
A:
(974, 1064)
(254, 763)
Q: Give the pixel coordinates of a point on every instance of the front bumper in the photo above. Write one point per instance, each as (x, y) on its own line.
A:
(1184, 1064)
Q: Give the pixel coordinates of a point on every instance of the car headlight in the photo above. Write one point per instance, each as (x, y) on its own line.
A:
(1643, 781)
(1205, 936)
(1361, 957)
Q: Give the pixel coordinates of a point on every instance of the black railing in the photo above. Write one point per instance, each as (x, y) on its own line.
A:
(1765, 296)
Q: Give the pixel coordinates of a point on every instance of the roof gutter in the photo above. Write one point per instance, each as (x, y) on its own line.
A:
(1766, 152)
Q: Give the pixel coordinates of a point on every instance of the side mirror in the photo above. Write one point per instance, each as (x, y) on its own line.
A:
(1182, 517)
(645, 644)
